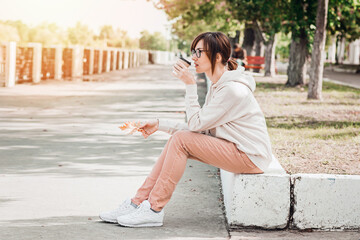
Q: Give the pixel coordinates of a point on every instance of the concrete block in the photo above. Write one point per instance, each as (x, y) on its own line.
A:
(134, 59)
(114, 51)
(77, 61)
(108, 60)
(325, 201)
(130, 58)
(58, 61)
(10, 64)
(256, 200)
(138, 53)
(100, 61)
(126, 59)
(91, 61)
(172, 57)
(163, 57)
(120, 62)
(36, 70)
(146, 57)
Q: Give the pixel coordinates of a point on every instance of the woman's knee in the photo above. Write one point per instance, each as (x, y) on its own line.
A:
(181, 137)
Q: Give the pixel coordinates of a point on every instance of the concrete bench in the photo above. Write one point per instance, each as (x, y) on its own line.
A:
(325, 201)
(276, 200)
(257, 200)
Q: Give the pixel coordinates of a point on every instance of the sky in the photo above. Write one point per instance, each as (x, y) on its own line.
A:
(130, 15)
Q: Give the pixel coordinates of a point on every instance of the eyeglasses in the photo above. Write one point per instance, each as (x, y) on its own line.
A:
(197, 52)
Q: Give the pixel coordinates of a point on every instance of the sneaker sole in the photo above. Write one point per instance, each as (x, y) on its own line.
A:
(141, 225)
(108, 220)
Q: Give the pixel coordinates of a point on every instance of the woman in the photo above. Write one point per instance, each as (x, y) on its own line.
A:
(228, 132)
(240, 55)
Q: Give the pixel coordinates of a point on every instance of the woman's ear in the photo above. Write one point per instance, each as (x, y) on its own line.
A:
(218, 58)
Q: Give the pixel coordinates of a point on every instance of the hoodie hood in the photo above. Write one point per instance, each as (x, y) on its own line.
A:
(238, 75)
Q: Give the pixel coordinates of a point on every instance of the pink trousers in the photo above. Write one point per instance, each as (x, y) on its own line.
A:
(161, 182)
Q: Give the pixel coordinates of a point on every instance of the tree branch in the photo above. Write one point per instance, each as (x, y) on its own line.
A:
(259, 31)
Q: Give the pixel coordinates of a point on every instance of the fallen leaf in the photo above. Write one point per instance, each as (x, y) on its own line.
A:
(131, 127)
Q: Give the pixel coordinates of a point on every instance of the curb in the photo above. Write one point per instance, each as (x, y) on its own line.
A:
(299, 201)
(341, 83)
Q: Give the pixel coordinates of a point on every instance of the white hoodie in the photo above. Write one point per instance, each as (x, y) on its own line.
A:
(230, 112)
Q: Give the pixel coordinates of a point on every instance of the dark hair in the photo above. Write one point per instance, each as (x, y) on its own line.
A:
(239, 52)
(214, 43)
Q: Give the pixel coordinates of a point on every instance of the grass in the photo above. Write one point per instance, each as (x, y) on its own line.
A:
(310, 136)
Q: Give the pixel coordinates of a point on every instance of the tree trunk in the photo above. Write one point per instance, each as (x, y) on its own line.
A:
(340, 49)
(237, 36)
(297, 62)
(259, 43)
(234, 40)
(249, 39)
(270, 56)
(317, 58)
(259, 46)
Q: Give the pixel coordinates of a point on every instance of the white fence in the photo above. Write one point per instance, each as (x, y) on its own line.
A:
(35, 63)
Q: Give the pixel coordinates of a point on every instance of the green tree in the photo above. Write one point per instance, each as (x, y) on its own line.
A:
(226, 16)
(300, 22)
(282, 46)
(80, 34)
(8, 33)
(107, 34)
(22, 29)
(317, 58)
(265, 17)
(155, 41)
(50, 33)
(47, 34)
(131, 43)
(184, 33)
(343, 21)
(116, 38)
(195, 16)
(119, 38)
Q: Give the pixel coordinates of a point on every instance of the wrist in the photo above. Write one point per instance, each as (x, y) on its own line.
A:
(192, 81)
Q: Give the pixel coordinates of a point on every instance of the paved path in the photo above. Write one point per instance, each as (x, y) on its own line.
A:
(63, 160)
(347, 79)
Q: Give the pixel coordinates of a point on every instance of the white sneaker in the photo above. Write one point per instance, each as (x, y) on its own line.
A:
(142, 217)
(123, 209)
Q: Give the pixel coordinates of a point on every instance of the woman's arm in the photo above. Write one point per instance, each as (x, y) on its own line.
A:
(151, 126)
(171, 127)
(216, 112)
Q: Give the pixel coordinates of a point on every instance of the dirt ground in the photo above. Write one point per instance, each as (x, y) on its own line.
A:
(311, 136)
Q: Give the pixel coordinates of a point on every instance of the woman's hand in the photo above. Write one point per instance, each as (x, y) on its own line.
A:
(149, 127)
(182, 72)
